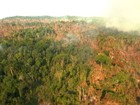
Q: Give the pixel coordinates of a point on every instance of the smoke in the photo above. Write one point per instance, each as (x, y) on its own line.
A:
(124, 14)
(1, 48)
(70, 38)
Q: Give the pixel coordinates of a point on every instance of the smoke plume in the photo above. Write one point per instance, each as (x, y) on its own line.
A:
(124, 15)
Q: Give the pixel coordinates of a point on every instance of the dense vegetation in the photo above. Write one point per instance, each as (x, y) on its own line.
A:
(67, 63)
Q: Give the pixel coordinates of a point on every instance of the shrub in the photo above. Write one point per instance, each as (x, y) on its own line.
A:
(102, 59)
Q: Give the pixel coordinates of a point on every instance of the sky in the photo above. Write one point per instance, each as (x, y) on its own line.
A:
(121, 13)
(116, 8)
(53, 7)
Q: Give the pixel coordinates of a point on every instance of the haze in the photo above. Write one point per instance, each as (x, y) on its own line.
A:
(124, 14)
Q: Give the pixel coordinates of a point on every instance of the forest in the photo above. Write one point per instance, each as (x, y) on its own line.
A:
(67, 61)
